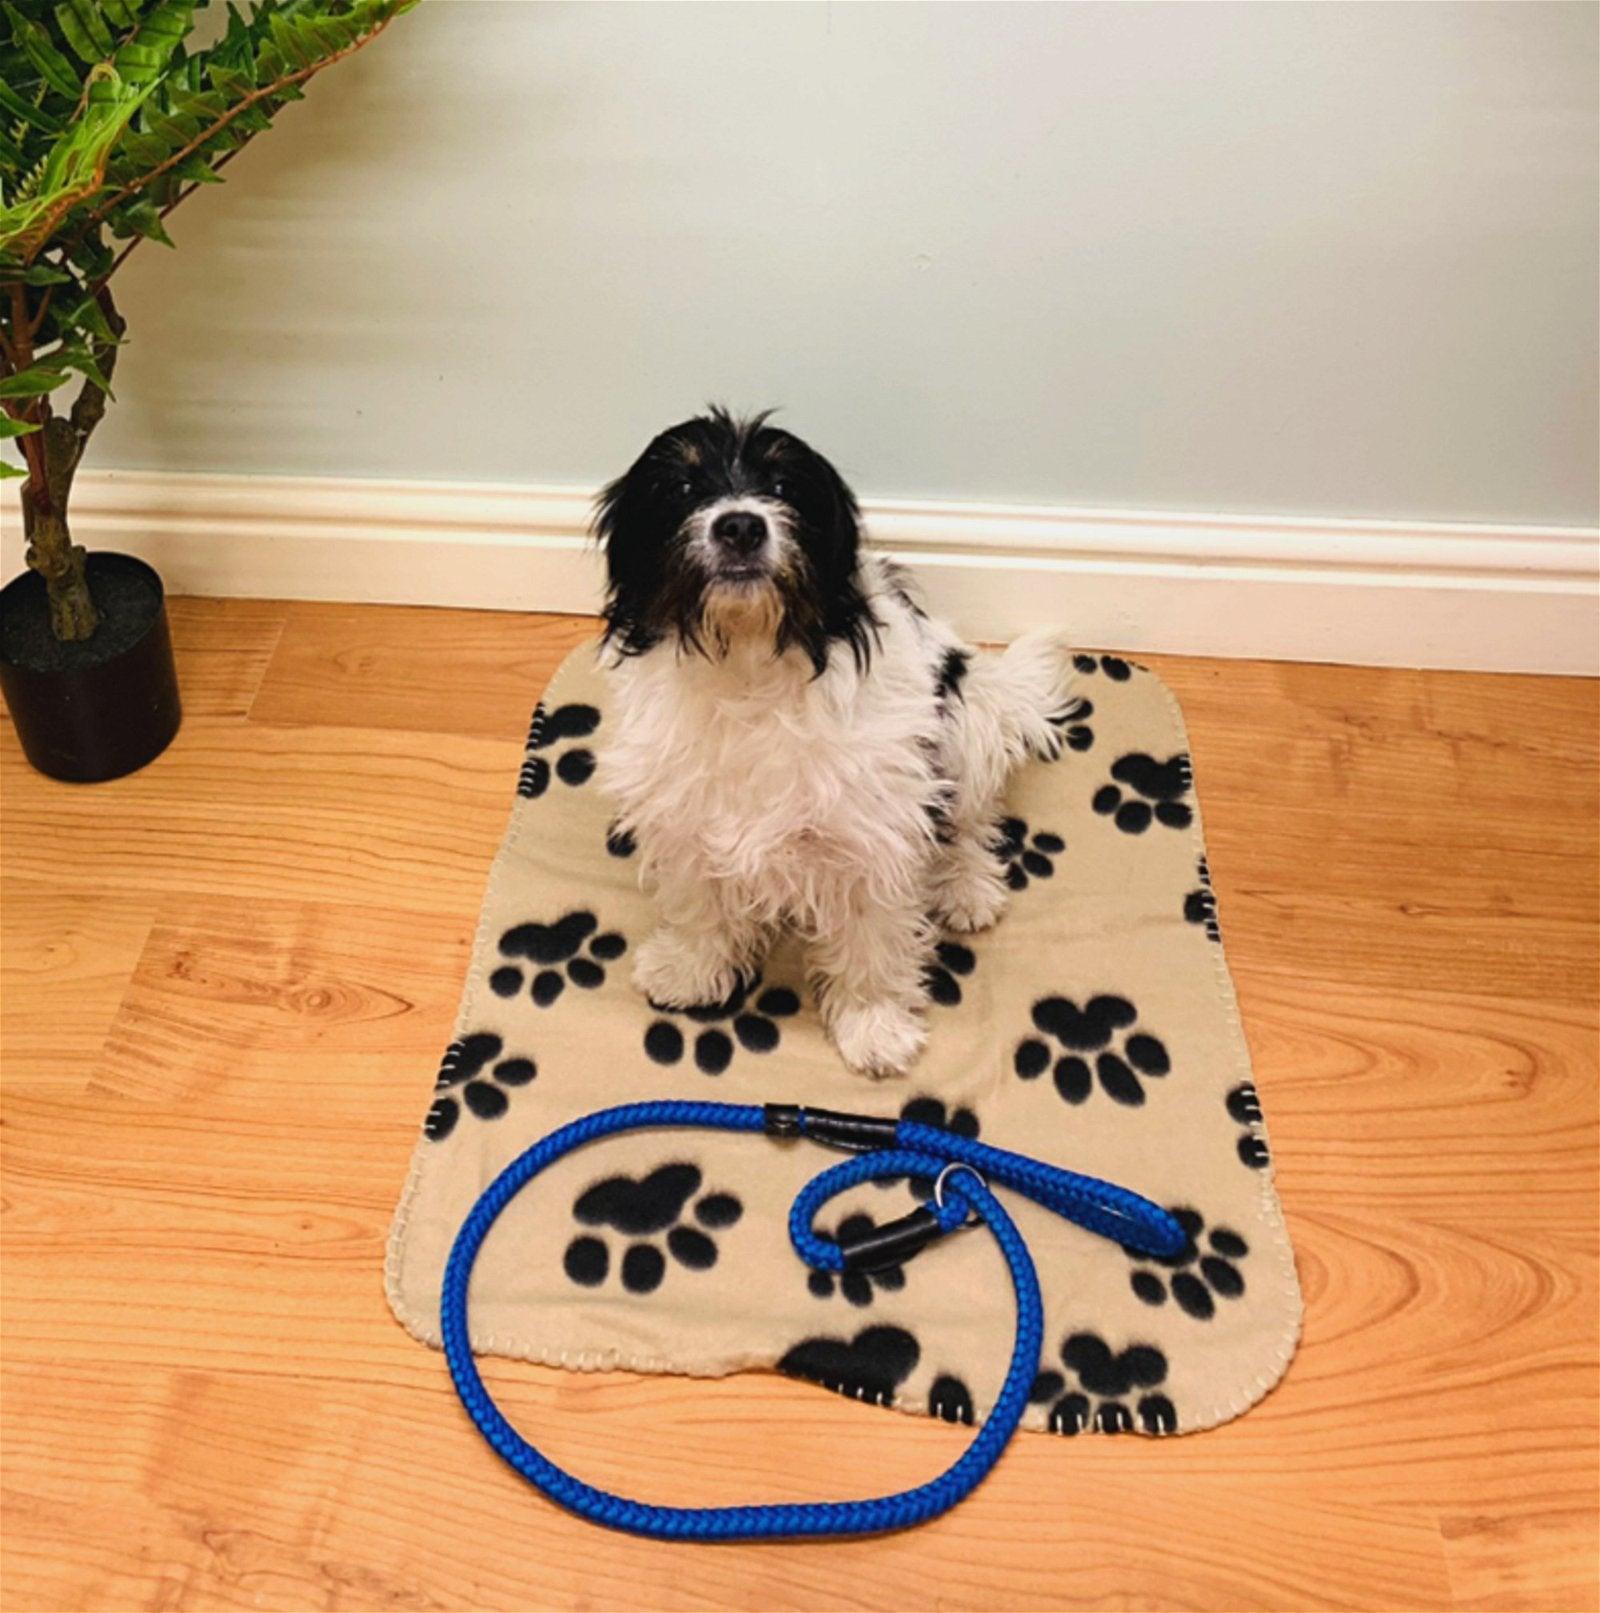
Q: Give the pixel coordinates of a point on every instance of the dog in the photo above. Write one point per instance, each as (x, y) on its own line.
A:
(795, 742)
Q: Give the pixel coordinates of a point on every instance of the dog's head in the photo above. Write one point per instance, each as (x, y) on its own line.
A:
(726, 531)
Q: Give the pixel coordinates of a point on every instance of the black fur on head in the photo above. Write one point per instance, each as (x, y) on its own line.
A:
(670, 576)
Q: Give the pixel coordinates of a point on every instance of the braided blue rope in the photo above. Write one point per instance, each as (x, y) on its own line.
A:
(922, 1151)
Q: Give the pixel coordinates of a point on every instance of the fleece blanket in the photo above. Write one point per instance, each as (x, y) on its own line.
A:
(1094, 1026)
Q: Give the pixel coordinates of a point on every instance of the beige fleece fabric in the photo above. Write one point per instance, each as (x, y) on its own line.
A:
(1095, 1027)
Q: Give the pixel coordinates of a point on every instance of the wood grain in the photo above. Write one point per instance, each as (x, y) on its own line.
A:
(227, 981)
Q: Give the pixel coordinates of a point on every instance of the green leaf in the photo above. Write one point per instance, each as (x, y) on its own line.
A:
(84, 29)
(141, 150)
(288, 39)
(196, 170)
(143, 59)
(88, 315)
(176, 131)
(139, 217)
(16, 428)
(234, 82)
(253, 119)
(82, 360)
(40, 274)
(53, 67)
(15, 106)
(7, 472)
(32, 383)
(91, 257)
(124, 13)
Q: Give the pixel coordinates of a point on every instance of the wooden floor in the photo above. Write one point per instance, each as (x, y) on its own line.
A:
(227, 983)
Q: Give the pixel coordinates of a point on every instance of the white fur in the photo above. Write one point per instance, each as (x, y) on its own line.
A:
(762, 795)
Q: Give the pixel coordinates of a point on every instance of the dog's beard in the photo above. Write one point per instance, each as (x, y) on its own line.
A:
(743, 612)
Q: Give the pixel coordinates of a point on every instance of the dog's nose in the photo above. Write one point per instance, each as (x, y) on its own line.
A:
(742, 531)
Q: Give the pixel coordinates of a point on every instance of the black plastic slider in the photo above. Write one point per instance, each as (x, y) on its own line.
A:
(782, 1119)
(892, 1243)
(859, 1134)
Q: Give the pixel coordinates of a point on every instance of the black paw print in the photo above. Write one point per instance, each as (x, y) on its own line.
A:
(856, 1286)
(643, 1210)
(574, 765)
(950, 965)
(620, 841)
(1194, 1290)
(1244, 1104)
(755, 1027)
(1072, 723)
(932, 1112)
(1024, 855)
(1094, 1028)
(950, 1400)
(871, 1366)
(1114, 667)
(484, 1094)
(1161, 786)
(1110, 1378)
(551, 946)
(1200, 905)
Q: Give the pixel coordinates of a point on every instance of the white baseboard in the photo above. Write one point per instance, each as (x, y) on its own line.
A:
(1493, 598)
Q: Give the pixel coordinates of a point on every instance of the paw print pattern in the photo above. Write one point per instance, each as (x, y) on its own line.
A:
(1154, 792)
(856, 1286)
(756, 1027)
(1026, 855)
(869, 1367)
(643, 1211)
(1122, 1064)
(1107, 1379)
(567, 947)
(574, 764)
(950, 965)
(620, 841)
(1114, 667)
(950, 1400)
(474, 1076)
(1073, 725)
(1244, 1105)
(1198, 1274)
(1200, 905)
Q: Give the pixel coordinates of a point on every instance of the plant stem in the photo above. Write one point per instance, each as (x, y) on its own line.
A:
(52, 454)
(51, 551)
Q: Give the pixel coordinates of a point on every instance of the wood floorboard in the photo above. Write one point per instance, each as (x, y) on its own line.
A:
(227, 980)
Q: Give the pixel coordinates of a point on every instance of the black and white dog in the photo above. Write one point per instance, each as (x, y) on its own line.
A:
(794, 741)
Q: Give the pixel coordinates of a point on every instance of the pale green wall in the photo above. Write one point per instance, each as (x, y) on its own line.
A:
(1303, 258)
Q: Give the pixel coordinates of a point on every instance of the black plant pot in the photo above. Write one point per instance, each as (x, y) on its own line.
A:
(101, 708)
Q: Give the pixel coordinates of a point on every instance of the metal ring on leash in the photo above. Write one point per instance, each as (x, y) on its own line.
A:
(957, 1165)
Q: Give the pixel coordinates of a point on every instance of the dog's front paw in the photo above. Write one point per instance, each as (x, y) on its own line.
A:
(877, 1039)
(674, 974)
(971, 897)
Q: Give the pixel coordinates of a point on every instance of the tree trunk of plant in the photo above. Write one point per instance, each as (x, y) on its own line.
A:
(51, 551)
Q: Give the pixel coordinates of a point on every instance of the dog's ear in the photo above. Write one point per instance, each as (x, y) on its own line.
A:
(844, 527)
(623, 525)
(835, 553)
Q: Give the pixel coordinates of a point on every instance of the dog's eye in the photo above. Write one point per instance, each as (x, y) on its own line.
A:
(780, 488)
(686, 488)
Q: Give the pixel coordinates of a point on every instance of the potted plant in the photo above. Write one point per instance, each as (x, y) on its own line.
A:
(107, 122)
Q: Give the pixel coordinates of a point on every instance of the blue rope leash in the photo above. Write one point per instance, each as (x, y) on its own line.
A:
(962, 1169)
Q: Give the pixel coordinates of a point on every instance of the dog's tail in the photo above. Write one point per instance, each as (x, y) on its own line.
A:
(1016, 704)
